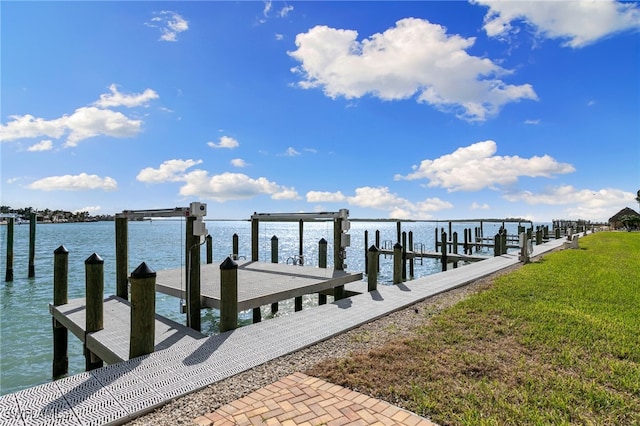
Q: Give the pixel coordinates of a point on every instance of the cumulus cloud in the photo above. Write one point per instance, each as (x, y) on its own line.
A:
(116, 98)
(232, 186)
(224, 142)
(577, 22)
(43, 145)
(414, 58)
(87, 122)
(475, 167)
(291, 152)
(478, 206)
(169, 23)
(238, 162)
(579, 203)
(380, 198)
(81, 182)
(83, 123)
(169, 171)
(221, 187)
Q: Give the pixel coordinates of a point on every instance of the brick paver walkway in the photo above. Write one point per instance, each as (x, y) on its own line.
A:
(301, 400)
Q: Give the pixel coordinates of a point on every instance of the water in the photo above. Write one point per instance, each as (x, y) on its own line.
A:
(25, 323)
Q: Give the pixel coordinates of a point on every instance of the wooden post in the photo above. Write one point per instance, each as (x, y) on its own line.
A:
(503, 242)
(8, 276)
(496, 245)
(297, 301)
(255, 238)
(143, 311)
(32, 244)
(235, 247)
(274, 249)
(450, 235)
(404, 256)
(209, 240)
(455, 248)
(122, 257)
(60, 297)
(444, 251)
(435, 238)
(366, 244)
(466, 241)
(413, 255)
(557, 233)
(94, 313)
(228, 295)
(338, 260)
(378, 245)
(372, 272)
(397, 263)
(322, 263)
(398, 231)
(274, 259)
(301, 243)
(192, 246)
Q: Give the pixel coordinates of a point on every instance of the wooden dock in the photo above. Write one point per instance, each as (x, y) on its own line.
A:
(452, 257)
(111, 343)
(259, 283)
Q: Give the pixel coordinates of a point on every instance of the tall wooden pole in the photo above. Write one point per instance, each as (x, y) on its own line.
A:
(228, 295)
(32, 244)
(192, 245)
(122, 257)
(8, 276)
(60, 332)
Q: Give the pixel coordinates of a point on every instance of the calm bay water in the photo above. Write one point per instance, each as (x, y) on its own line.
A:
(25, 322)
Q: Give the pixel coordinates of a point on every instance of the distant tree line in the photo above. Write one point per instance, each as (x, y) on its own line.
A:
(54, 216)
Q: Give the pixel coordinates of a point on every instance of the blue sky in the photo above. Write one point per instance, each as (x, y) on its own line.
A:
(416, 110)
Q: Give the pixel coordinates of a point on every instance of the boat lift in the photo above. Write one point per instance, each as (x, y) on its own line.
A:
(195, 229)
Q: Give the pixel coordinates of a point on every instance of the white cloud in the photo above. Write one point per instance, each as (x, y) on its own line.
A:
(225, 142)
(81, 182)
(169, 23)
(27, 126)
(381, 199)
(115, 98)
(87, 122)
(84, 123)
(478, 206)
(532, 122)
(414, 58)
(284, 12)
(232, 186)
(279, 37)
(43, 145)
(169, 171)
(291, 152)
(577, 22)
(238, 162)
(476, 167)
(587, 204)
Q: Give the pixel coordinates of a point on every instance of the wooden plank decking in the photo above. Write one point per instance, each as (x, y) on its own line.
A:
(111, 344)
(259, 283)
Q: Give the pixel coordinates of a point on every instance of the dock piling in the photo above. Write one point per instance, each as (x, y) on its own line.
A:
(372, 272)
(397, 263)
(209, 240)
(60, 297)
(274, 259)
(94, 283)
(32, 245)
(143, 311)
(8, 276)
(228, 295)
(444, 250)
(122, 257)
(322, 263)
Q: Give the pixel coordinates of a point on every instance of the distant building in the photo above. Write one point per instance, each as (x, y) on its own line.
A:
(626, 218)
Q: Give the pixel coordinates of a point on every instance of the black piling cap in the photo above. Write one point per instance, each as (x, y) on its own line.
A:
(61, 250)
(143, 271)
(373, 248)
(322, 241)
(94, 259)
(274, 238)
(228, 264)
(397, 246)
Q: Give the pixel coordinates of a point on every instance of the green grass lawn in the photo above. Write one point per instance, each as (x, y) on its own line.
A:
(555, 342)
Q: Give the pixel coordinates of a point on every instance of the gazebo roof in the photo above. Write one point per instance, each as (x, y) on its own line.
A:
(624, 212)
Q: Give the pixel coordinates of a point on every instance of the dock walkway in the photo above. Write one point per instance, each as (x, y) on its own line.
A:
(120, 392)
